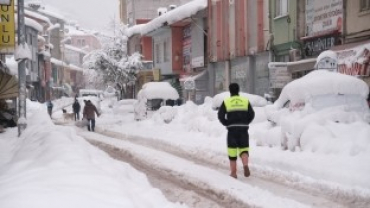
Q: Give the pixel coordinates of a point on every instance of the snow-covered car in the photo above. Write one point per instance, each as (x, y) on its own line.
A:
(124, 106)
(256, 100)
(152, 96)
(317, 98)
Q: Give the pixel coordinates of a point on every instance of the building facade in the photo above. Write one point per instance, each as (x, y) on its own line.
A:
(238, 47)
(146, 9)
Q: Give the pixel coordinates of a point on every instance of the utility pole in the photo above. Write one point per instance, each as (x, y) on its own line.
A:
(22, 121)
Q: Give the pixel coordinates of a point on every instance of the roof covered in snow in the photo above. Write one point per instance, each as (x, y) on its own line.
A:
(175, 15)
(134, 30)
(158, 90)
(73, 48)
(64, 64)
(38, 16)
(321, 82)
(34, 24)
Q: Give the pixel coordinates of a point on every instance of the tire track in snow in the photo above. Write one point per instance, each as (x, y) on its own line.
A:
(174, 189)
(281, 183)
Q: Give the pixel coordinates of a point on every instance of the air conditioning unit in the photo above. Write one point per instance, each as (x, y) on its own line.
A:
(294, 55)
(161, 11)
(172, 7)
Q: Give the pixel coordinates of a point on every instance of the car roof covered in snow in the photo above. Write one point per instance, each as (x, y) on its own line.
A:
(158, 90)
(321, 82)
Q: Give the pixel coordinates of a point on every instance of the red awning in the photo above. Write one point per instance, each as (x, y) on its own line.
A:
(321, 34)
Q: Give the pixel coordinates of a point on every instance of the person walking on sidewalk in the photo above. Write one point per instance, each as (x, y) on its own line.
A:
(89, 114)
(236, 113)
(50, 106)
(76, 109)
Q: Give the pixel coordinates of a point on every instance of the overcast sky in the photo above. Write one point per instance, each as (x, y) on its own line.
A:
(91, 14)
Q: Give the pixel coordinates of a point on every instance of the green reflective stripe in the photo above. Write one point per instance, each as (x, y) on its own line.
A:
(246, 149)
(236, 103)
(232, 152)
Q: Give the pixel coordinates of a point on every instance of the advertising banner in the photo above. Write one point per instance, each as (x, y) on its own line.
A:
(323, 16)
(7, 29)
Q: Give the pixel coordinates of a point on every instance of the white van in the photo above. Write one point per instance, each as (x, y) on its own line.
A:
(152, 96)
(91, 92)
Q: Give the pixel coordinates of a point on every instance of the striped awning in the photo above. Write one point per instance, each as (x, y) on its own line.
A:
(8, 86)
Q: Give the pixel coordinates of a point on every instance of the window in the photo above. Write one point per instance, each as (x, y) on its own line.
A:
(165, 51)
(364, 5)
(83, 42)
(156, 53)
(281, 8)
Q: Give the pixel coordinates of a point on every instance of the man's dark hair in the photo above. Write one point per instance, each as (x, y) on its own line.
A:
(234, 88)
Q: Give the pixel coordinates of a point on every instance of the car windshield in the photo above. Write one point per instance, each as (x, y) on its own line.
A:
(351, 102)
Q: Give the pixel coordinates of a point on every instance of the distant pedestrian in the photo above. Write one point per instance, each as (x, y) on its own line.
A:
(76, 109)
(50, 107)
(89, 114)
(236, 113)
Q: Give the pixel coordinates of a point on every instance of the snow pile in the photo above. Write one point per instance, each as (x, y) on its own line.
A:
(12, 65)
(165, 114)
(159, 90)
(52, 161)
(23, 52)
(255, 100)
(180, 13)
(321, 82)
(123, 106)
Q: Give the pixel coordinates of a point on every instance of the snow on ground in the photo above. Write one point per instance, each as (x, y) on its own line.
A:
(329, 164)
(52, 161)
(50, 166)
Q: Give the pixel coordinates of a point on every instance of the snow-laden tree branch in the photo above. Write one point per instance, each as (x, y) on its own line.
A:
(112, 62)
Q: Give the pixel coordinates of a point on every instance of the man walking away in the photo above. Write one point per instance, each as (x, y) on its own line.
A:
(236, 113)
(89, 114)
(76, 109)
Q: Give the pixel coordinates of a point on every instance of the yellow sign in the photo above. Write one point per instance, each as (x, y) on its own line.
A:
(7, 29)
(156, 74)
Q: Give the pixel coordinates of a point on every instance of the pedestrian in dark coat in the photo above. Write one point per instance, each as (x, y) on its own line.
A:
(50, 107)
(89, 114)
(76, 109)
(236, 113)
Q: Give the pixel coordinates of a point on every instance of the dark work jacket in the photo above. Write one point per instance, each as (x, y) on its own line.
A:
(76, 107)
(235, 118)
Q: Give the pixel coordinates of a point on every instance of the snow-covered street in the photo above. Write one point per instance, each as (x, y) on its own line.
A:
(184, 104)
(189, 153)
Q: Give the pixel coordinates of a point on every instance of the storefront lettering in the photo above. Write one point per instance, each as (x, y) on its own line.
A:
(315, 46)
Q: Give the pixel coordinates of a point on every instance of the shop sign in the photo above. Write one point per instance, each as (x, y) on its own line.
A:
(314, 47)
(355, 62)
(323, 16)
(189, 85)
(197, 62)
(7, 28)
